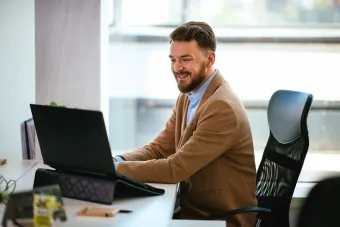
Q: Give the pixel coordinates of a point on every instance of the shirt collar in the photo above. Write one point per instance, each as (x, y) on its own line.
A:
(197, 95)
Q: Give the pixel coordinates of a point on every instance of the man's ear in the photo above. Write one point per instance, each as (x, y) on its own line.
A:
(211, 58)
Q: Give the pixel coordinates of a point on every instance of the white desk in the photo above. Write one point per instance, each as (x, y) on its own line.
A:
(15, 167)
(194, 223)
(149, 211)
(155, 211)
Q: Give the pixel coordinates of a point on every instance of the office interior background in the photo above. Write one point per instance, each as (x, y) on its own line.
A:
(263, 45)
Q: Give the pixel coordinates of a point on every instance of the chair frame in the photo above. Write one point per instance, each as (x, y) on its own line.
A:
(262, 212)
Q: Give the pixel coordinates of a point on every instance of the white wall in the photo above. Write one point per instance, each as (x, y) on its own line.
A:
(68, 53)
(17, 69)
(71, 53)
(50, 51)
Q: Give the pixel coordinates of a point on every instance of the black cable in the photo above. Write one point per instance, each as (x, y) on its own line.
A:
(4, 198)
(7, 187)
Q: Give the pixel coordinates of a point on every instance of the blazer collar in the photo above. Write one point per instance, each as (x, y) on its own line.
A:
(216, 82)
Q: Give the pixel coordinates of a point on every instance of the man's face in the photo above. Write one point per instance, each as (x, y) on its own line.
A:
(189, 64)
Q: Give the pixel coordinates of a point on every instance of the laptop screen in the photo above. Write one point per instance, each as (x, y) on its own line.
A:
(73, 139)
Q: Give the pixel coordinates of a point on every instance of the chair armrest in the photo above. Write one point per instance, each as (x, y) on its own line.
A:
(240, 211)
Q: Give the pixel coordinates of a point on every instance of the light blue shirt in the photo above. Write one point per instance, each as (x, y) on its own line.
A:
(119, 159)
(194, 100)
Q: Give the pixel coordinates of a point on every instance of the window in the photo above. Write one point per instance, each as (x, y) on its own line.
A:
(269, 20)
(139, 50)
(151, 12)
(266, 13)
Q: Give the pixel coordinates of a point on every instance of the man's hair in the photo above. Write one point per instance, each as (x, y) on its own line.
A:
(199, 31)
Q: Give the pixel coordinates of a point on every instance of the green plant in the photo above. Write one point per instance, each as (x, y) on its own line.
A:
(3, 197)
(56, 105)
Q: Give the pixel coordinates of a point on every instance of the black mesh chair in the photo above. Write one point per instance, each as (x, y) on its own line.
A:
(282, 159)
(321, 207)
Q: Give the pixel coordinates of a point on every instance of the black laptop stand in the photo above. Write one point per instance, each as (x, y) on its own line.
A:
(93, 188)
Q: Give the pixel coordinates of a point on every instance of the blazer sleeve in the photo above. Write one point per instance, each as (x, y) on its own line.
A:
(214, 135)
(161, 147)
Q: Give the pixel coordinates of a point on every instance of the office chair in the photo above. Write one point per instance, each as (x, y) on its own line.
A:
(282, 159)
(321, 207)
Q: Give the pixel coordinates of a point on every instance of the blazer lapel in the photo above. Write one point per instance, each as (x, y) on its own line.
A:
(214, 84)
(184, 115)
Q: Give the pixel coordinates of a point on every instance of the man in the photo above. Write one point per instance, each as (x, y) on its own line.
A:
(207, 143)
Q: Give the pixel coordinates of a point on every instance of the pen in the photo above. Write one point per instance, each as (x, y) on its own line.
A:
(101, 211)
(125, 211)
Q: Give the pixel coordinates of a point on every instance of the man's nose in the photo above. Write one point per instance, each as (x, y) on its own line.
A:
(178, 66)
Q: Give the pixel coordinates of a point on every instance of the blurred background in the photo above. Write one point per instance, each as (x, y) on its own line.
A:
(112, 55)
(263, 45)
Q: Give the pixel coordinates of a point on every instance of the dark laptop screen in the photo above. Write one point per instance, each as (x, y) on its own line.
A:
(73, 139)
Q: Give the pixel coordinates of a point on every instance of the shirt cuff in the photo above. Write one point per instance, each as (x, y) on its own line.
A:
(119, 159)
(116, 165)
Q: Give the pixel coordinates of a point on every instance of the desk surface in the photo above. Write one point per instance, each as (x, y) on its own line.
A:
(15, 167)
(194, 223)
(150, 211)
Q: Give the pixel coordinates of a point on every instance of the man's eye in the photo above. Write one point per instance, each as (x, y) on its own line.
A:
(186, 60)
(172, 60)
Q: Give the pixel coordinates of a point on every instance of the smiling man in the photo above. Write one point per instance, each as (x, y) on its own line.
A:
(206, 145)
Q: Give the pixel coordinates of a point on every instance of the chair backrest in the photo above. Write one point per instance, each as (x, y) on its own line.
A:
(284, 154)
(321, 207)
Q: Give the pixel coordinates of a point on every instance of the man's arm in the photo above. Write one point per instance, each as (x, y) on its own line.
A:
(161, 147)
(214, 135)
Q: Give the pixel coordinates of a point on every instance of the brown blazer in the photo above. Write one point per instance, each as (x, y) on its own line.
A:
(213, 157)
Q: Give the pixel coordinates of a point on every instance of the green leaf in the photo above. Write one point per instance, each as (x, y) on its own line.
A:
(54, 104)
(3, 197)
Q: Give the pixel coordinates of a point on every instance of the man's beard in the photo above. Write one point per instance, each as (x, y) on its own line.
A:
(192, 85)
(195, 82)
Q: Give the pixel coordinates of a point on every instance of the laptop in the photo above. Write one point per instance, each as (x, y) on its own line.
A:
(76, 141)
